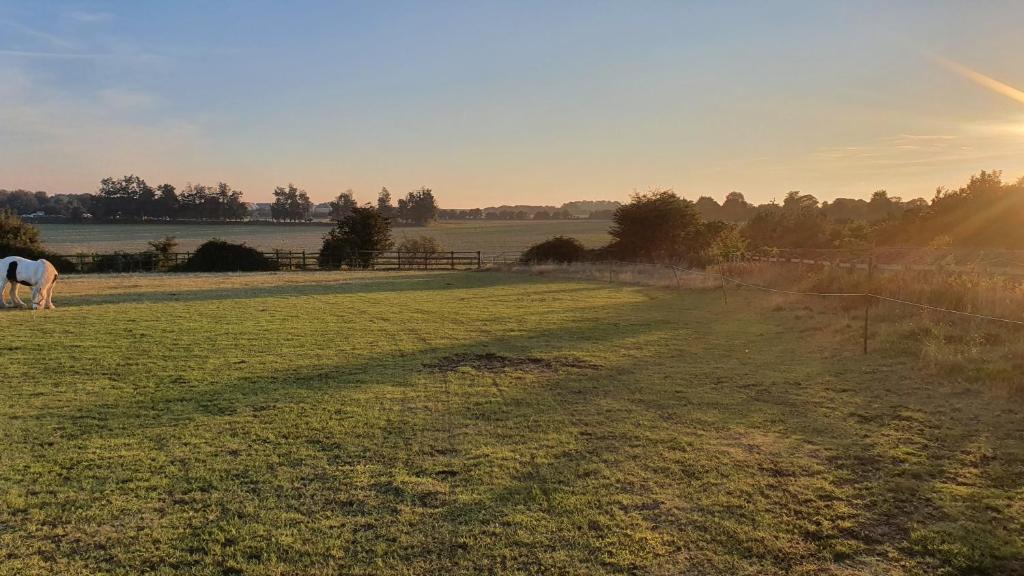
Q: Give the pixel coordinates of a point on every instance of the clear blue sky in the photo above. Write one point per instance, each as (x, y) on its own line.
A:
(511, 102)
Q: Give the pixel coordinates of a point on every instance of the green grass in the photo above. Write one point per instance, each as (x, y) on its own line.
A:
(489, 237)
(286, 424)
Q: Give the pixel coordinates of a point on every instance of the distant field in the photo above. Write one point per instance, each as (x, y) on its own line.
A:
(488, 237)
(364, 423)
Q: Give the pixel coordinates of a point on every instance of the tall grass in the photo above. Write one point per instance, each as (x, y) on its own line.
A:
(965, 349)
(975, 293)
(623, 273)
(961, 348)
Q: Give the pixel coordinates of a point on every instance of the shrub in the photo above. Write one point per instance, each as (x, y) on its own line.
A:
(125, 262)
(419, 251)
(20, 239)
(357, 237)
(163, 249)
(421, 245)
(220, 256)
(562, 249)
(14, 232)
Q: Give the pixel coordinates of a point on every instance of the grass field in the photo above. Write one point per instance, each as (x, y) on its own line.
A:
(488, 237)
(362, 424)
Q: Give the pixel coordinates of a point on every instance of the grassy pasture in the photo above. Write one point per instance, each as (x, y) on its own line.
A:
(287, 423)
(486, 236)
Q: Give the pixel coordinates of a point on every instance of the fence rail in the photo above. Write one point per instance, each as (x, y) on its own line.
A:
(286, 260)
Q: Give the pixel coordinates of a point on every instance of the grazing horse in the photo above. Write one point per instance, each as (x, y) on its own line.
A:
(39, 274)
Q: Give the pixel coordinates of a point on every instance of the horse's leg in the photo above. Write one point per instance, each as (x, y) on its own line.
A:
(3, 293)
(37, 296)
(48, 295)
(14, 295)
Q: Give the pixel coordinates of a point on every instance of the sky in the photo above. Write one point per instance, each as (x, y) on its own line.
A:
(514, 102)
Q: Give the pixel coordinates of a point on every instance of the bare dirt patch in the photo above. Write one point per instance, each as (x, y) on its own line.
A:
(497, 363)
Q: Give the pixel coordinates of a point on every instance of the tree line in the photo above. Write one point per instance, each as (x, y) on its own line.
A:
(131, 198)
(984, 213)
(659, 226)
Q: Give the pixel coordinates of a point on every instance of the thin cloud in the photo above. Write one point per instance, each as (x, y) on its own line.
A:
(64, 55)
(982, 80)
(38, 34)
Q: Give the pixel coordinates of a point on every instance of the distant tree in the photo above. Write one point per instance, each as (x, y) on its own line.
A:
(658, 226)
(736, 208)
(291, 204)
(418, 207)
(798, 224)
(342, 205)
(356, 238)
(228, 204)
(19, 201)
(166, 203)
(192, 201)
(384, 205)
(708, 208)
(126, 197)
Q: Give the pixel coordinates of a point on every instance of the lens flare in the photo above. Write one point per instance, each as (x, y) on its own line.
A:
(983, 80)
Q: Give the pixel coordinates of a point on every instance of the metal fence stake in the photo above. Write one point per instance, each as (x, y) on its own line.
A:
(725, 293)
(867, 308)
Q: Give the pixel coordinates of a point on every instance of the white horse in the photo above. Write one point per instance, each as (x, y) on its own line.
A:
(39, 274)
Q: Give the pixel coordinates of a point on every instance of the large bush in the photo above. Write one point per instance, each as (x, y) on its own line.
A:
(662, 227)
(561, 249)
(14, 232)
(219, 256)
(362, 233)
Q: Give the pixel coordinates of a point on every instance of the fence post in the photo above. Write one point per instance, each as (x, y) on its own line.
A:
(303, 259)
(867, 308)
(453, 260)
(399, 259)
(479, 263)
(725, 294)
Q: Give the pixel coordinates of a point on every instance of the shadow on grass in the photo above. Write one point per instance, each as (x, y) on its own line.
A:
(398, 284)
(188, 402)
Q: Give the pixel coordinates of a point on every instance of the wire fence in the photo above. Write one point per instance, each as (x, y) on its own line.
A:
(614, 270)
(990, 262)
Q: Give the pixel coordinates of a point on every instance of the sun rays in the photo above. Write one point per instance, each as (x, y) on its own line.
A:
(982, 80)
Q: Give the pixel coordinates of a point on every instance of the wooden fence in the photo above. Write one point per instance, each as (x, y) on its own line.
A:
(286, 260)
